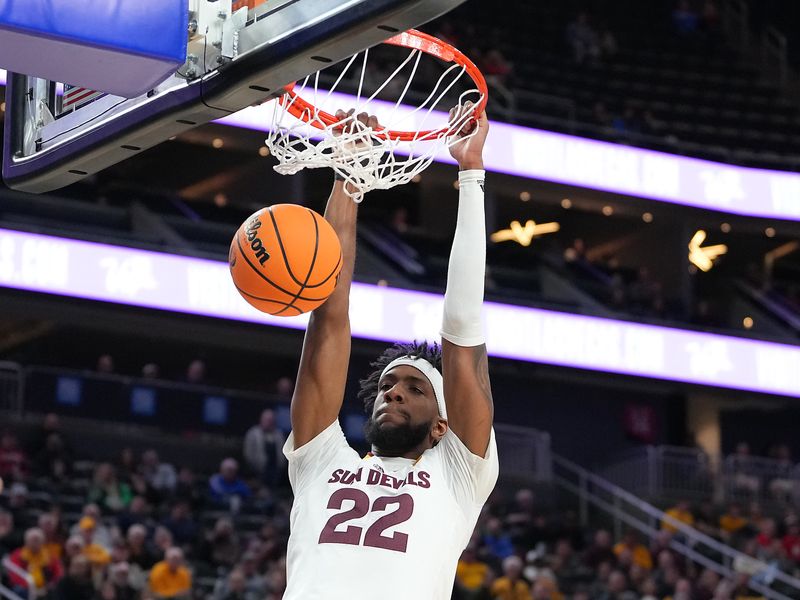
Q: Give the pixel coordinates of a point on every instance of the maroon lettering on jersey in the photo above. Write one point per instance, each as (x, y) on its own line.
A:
(374, 477)
(424, 479)
(336, 476)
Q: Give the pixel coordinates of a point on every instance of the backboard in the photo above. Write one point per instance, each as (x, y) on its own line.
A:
(239, 53)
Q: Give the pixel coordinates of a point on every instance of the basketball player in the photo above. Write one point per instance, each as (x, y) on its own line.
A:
(392, 524)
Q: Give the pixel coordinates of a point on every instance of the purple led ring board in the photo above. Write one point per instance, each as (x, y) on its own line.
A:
(116, 274)
(571, 160)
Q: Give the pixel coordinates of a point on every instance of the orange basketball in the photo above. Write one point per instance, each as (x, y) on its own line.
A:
(285, 260)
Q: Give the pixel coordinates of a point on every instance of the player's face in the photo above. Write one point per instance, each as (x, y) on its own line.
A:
(404, 411)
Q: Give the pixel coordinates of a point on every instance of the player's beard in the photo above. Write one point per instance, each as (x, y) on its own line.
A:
(395, 440)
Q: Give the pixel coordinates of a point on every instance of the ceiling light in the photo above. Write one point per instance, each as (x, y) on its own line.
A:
(769, 232)
(608, 211)
(566, 203)
(263, 151)
(217, 143)
(703, 258)
(525, 196)
(747, 322)
(220, 199)
(725, 227)
(416, 178)
(647, 217)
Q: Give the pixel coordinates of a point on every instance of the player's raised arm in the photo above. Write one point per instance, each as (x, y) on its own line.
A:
(322, 375)
(465, 367)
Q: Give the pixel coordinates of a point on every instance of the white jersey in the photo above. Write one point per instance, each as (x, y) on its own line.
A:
(372, 527)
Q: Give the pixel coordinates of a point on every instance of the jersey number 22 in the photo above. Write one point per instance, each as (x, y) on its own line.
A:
(374, 536)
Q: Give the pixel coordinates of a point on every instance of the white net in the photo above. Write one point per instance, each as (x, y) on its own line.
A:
(414, 130)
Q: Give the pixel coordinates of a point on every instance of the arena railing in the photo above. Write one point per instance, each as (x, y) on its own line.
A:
(665, 472)
(677, 473)
(11, 568)
(12, 387)
(628, 511)
(524, 453)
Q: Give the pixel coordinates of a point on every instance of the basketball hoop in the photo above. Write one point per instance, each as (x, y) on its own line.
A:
(306, 134)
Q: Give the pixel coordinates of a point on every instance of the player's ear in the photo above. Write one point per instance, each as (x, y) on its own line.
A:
(439, 429)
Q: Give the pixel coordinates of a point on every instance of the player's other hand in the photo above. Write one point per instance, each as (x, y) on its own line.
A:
(468, 151)
(355, 124)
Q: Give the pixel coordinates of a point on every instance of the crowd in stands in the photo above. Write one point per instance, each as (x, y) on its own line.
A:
(136, 527)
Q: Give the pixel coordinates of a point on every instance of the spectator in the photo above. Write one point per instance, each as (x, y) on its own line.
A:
(10, 537)
(472, 575)
(170, 578)
(583, 39)
(680, 512)
(226, 488)
(782, 485)
(77, 584)
(683, 590)
(160, 477)
(732, 522)
(181, 524)
(511, 586)
(706, 585)
(107, 491)
(138, 512)
(50, 424)
(105, 364)
(791, 540)
(684, 19)
(233, 587)
(18, 505)
(53, 538)
(640, 555)
(54, 461)
(497, 541)
(186, 490)
(97, 555)
(13, 460)
(73, 548)
(162, 541)
(220, 547)
(151, 371)
(138, 551)
(263, 449)
(118, 586)
(617, 588)
(196, 372)
(600, 551)
(102, 534)
(740, 466)
(33, 558)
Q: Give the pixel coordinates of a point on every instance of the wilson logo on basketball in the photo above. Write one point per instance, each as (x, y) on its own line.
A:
(255, 242)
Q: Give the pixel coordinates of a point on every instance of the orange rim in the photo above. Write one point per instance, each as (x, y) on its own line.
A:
(413, 40)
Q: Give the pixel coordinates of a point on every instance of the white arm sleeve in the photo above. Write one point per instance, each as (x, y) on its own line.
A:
(463, 299)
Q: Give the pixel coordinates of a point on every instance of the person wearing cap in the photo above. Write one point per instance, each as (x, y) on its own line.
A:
(409, 506)
(170, 578)
(98, 556)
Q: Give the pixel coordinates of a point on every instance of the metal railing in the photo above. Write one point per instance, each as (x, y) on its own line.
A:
(675, 473)
(12, 387)
(524, 453)
(10, 567)
(629, 511)
(668, 472)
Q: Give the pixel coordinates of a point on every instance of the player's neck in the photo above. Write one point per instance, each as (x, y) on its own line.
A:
(413, 453)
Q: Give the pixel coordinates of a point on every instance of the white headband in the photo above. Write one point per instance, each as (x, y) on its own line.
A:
(431, 374)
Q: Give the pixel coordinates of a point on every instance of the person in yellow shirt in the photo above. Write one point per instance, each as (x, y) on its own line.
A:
(680, 512)
(471, 573)
(511, 586)
(170, 578)
(732, 521)
(640, 555)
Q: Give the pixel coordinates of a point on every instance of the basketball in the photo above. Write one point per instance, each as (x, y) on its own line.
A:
(285, 260)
